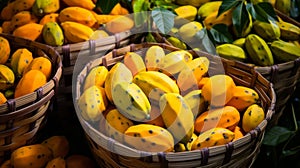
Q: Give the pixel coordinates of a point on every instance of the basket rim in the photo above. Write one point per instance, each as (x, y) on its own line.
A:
(39, 93)
(216, 150)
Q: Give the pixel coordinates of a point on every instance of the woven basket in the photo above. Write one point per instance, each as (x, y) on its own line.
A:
(284, 77)
(70, 52)
(240, 153)
(23, 117)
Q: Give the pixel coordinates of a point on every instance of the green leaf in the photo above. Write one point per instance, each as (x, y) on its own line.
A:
(139, 14)
(204, 42)
(221, 34)
(106, 6)
(228, 4)
(263, 12)
(163, 19)
(240, 18)
(276, 135)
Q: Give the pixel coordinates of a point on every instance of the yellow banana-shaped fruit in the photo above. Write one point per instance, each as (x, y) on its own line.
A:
(20, 59)
(186, 81)
(53, 34)
(285, 51)
(7, 77)
(188, 31)
(258, 50)
(252, 117)
(154, 84)
(76, 32)
(116, 125)
(92, 103)
(288, 31)
(213, 137)
(177, 116)
(196, 102)
(43, 7)
(268, 31)
(96, 76)
(231, 52)
(131, 101)
(134, 62)
(150, 138)
(25, 156)
(87, 4)
(153, 57)
(175, 61)
(240, 42)
(119, 72)
(77, 14)
(208, 8)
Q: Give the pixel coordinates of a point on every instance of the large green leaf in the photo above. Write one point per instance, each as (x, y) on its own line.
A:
(220, 34)
(228, 4)
(204, 42)
(240, 18)
(106, 6)
(277, 135)
(163, 19)
(262, 11)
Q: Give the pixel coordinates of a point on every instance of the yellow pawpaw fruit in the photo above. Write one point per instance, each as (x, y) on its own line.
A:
(2, 98)
(76, 32)
(51, 17)
(4, 50)
(42, 64)
(96, 77)
(252, 117)
(7, 11)
(119, 24)
(77, 14)
(30, 81)
(7, 77)
(185, 13)
(22, 18)
(218, 90)
(35, 30)
(213, 18)
(20, 59)
(99, 34)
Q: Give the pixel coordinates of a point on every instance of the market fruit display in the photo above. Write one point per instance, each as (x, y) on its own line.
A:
(61, 22)
(149, 111)
(53, 151)
(22, 72)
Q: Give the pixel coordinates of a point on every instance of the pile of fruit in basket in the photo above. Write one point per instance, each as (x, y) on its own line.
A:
(51, 152)
(21, 72)
(59, 22)
(166, 101)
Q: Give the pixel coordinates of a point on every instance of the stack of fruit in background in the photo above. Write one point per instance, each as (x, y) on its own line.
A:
(262, 43)
(59, 22)
(21, 72)
(146, 102)
(50, 153)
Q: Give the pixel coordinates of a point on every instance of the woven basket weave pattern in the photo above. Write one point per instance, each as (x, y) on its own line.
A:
(23, 117)
(240, 153)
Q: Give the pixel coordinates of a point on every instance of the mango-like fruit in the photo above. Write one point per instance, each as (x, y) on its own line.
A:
(20, 59)
(76, 32)
(42, 64)
(77, 14)
(153, 57)
(51, 17)
(22, 18)
(134, 62)
(52, 34)
(29, 82)
(35, 30)
(231, 52)
(2, 98)
(196, 102)
(188, 31)
(119, 24)
(96, 76)
(58, 162)
(252, 117)
(58, 144)
(43, 7)
(243, 97)
(7, 77)
(226, 117)
(150, 138)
